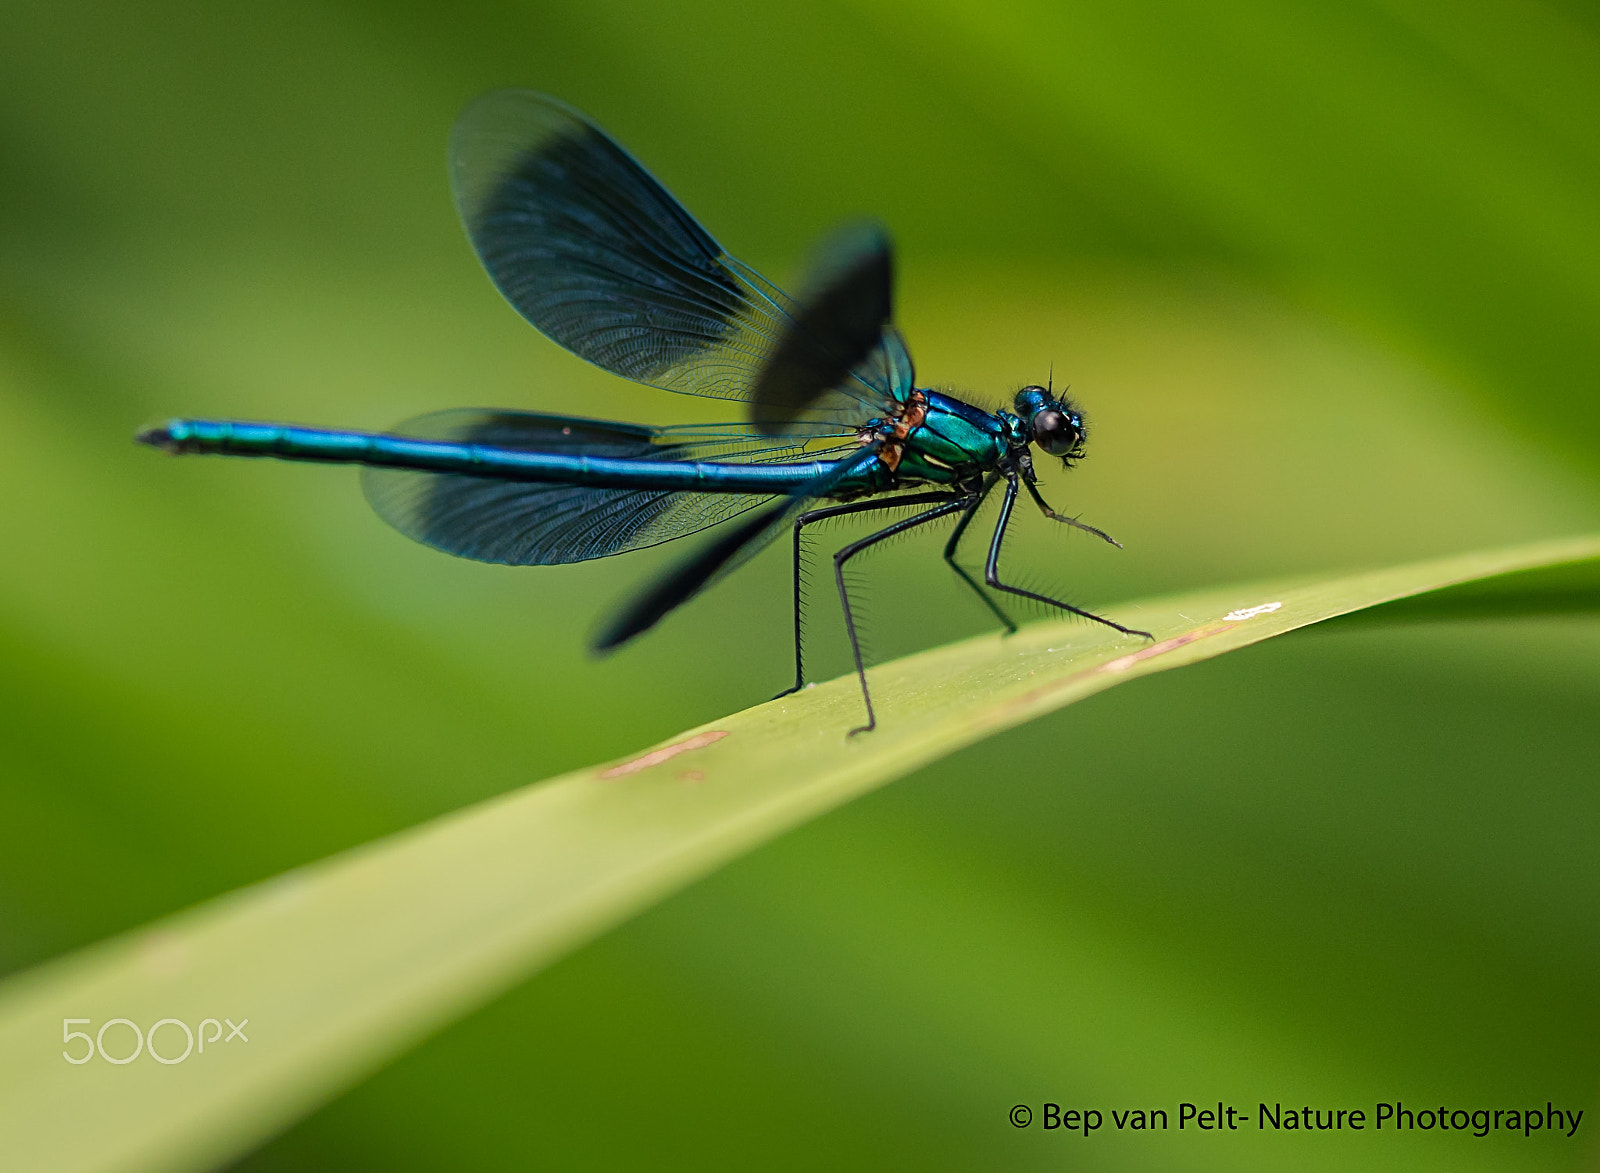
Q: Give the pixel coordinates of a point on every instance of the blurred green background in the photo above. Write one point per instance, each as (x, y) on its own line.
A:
(1327, 279)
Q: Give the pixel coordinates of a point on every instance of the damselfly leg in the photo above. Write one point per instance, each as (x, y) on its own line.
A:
(812, 516)
(961, 571)
(1044, 508)
(843, 556)
(991, 570)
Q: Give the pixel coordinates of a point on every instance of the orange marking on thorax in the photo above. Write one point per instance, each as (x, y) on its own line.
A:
(907, 418)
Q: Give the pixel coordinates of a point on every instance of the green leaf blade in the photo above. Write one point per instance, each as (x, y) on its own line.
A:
(342, 965)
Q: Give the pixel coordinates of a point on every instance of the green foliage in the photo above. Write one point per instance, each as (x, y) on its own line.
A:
(1323, 277)
(344, 963)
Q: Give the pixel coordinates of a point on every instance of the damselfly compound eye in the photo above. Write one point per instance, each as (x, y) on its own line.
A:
(1055, 433)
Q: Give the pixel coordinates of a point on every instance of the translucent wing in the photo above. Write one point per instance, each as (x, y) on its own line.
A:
(838, 324)
(522, 524)
(726, 552)
(601, 258)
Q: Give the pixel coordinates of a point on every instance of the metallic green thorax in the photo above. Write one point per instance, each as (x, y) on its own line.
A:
(957, 443)
(948, 442)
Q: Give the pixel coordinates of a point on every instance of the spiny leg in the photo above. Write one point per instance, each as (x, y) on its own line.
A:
(950, 556)
(849, 552)
(991, 569)
(1033, 491)
(815, 515)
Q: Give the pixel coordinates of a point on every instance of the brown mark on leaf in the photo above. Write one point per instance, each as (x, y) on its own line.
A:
(1120, 664)
(1123, 663)
(665, 754)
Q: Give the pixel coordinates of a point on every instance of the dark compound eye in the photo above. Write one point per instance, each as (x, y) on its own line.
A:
(1055, 433)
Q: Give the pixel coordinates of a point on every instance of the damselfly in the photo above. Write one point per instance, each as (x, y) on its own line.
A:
(587, 246)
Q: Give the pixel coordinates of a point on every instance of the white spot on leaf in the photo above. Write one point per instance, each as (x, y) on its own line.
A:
(1250, 612)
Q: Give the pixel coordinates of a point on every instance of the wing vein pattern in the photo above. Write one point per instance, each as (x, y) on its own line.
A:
(588, 247)
(523, 524)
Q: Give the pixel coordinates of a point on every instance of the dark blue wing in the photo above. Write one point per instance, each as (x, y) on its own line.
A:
(729, 550)
(524, 524)
(599, 256)
(837, 324)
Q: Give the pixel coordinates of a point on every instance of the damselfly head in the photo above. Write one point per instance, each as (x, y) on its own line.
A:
(1054, 421)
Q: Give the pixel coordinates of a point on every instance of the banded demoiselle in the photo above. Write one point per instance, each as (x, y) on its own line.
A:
(588, 247)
